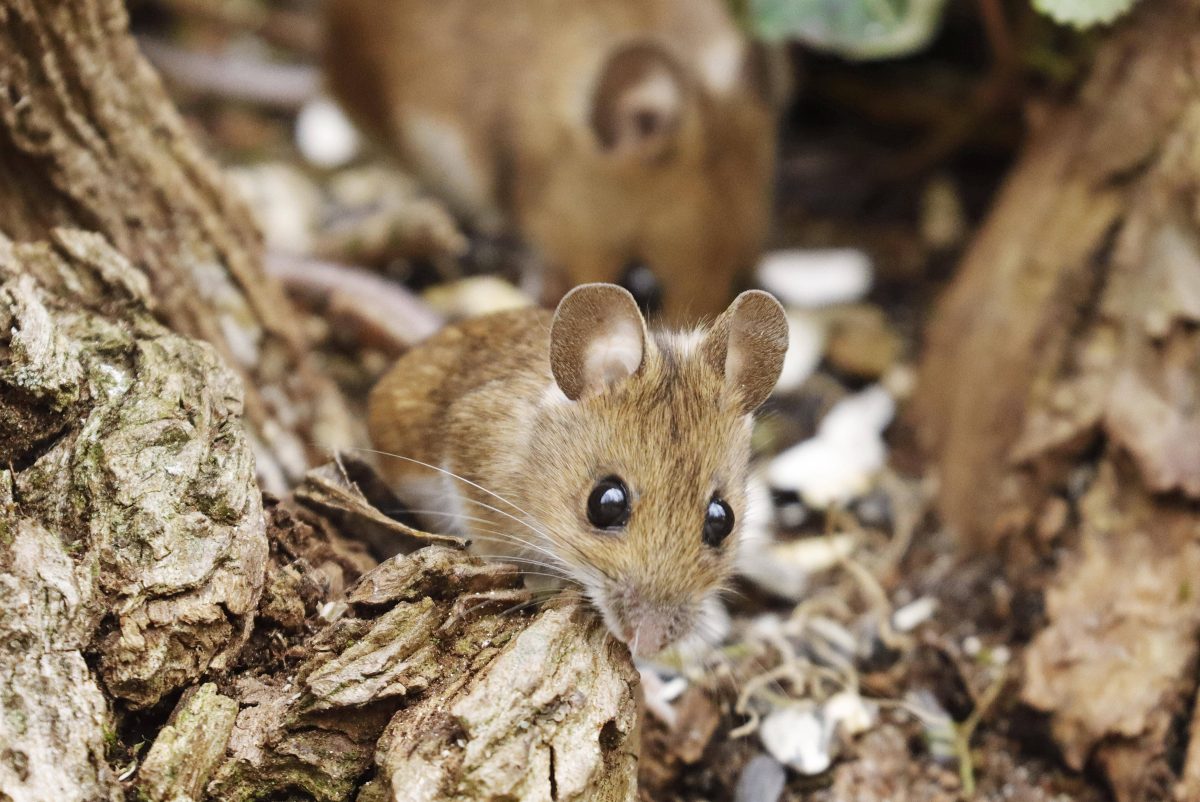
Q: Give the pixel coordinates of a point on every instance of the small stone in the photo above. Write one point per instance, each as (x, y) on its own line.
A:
(796, 737)
(806, 346)
(324, 136)
(475, 296)
(841, 463)
(810, 279)
(912, 615)
(762, 780)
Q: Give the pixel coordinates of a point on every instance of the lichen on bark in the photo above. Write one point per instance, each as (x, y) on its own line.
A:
(135, 520)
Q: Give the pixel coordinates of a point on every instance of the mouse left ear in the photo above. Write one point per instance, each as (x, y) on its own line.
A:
(746, 345)
(597, 339)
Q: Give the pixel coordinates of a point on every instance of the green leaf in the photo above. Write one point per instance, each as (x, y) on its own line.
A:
(1083, 13)
(858, 29)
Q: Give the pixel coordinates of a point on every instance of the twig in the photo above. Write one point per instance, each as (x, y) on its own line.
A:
(283, 86)
(382, 312)
(964, 732)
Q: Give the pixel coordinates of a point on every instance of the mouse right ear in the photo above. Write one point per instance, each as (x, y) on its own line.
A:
(746, 345)
(598, 338)
(638, 103)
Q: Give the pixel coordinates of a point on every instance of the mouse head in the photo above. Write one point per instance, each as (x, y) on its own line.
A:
(664, 185)
(642, 443)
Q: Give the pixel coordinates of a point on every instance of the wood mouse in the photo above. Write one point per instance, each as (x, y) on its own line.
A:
(588, 447)
(629, 141)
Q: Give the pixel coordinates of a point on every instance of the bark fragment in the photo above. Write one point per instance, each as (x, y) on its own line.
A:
(89, 139)
(187, 750)
(134, 524)
(427, 663)
(53, 723)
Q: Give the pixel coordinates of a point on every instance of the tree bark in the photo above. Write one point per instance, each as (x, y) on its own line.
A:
(1059, 398)
(88, 139)
(146, 368)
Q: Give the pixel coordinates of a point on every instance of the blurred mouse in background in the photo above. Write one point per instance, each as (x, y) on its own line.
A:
(629, 141)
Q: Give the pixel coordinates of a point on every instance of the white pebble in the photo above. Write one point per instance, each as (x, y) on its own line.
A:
(756, 558)
(848, 714)
(912, 615)
(815, 278)
(332, 611)
(842, 461)
(762, 780)
(869, 411)
(474, 296)
(325, 137)
(815, 554)
(796, 737)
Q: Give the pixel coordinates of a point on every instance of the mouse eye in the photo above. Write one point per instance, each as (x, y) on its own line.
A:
(643, 286)
(718, 522)
(608, 504)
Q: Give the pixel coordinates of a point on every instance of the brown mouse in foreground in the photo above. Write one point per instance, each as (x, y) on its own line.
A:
(584, 445)
(630, 141)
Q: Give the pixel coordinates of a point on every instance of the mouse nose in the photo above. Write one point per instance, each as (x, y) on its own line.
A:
(648, 634)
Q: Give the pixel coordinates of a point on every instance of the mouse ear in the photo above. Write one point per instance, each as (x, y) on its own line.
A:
(598, 338)
(746, 345)
(638, 102)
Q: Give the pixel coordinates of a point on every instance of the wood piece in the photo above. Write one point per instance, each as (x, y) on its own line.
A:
(139, 528)
(89, 139)
(1063, 363)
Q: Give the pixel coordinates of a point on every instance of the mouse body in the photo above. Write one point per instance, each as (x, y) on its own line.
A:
(583, 445)
(622, 139)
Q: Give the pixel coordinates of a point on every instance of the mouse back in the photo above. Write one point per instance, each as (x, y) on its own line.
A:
(622, 139)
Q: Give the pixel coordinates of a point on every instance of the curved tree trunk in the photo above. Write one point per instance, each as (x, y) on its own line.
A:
(147, 368)
(88, 139)
(1060, 396)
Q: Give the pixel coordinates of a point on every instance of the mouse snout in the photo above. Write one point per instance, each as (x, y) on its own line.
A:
(647, 636)
(649, 628)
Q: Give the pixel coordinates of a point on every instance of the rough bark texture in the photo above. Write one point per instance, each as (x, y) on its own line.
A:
(89, 140)
(132, 527)
(135, 560)
(1060, 393)
(427, 687)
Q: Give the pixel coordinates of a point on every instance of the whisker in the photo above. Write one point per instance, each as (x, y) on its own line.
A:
(583, 564)
(445, 472)
(508, 535)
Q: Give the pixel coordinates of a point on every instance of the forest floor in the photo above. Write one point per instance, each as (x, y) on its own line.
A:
(863, 649)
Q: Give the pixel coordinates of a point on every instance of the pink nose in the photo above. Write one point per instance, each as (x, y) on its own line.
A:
(646, 635)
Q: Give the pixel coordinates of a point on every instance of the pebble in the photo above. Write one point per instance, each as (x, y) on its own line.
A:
(862, 343)
(841, 462)
(912, 615)
(806, 346)
(324, 136)
(762, 780)
(810, 279)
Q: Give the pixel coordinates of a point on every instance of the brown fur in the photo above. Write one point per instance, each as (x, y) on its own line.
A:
(524, 87)
(479, 400)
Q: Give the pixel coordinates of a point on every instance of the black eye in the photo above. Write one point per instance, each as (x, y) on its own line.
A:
(718, 522)
(643, 286)
(608, 504)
